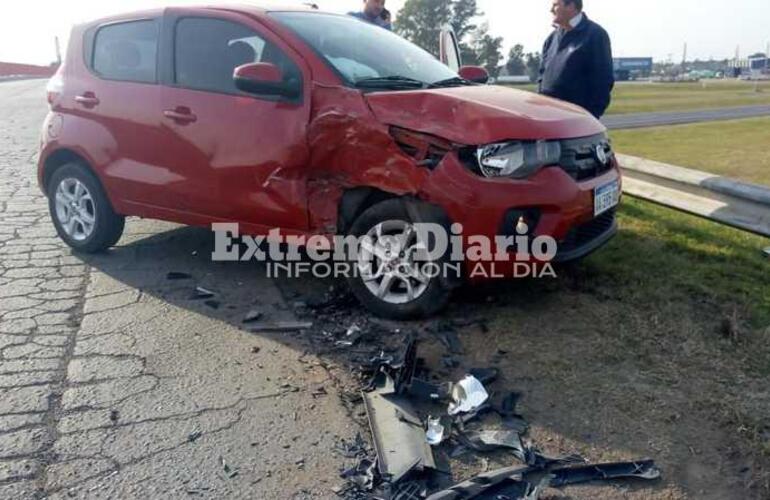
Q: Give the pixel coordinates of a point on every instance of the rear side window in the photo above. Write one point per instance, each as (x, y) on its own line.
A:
(207, 51)
(127, 51)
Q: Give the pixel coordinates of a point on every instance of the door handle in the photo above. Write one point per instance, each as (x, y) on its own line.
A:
(88, 99)
(180, 115)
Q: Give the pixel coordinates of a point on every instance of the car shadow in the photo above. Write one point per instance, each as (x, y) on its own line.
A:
(529, 329)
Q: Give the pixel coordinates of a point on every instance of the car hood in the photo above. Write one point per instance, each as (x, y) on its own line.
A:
(483, 114)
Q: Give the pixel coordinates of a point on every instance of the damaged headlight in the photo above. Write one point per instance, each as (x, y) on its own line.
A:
(517, 159)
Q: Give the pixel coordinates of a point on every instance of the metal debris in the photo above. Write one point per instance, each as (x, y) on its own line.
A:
(409, 490)
(281, 326)
(643, 469)
(481, 483)
(193, 436)
(399, 438)
(252, 316)
(351, 337)
(201, 293)
(467, 395)
(362, 475)
(404, 467)
(518, 483)
(492, 440)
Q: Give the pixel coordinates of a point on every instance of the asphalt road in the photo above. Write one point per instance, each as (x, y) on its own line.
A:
(640, 120)
(114, 384)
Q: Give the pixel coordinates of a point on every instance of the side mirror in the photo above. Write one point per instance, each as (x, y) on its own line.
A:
(265, 79)
(475, 74)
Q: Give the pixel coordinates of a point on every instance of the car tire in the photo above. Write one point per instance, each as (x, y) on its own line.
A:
(428, 297)
(81, 212)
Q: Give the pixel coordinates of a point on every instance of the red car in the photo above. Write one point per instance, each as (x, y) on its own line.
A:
(317, 124)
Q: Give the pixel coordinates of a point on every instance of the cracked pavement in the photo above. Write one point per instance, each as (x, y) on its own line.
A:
(114, 383)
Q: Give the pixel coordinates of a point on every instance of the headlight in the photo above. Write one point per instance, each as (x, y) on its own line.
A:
(517, 159)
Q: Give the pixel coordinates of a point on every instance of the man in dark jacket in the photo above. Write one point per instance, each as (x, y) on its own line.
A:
(374, 12)
(577, 59)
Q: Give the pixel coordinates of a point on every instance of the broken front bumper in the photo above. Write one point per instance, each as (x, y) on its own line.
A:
(564, 207)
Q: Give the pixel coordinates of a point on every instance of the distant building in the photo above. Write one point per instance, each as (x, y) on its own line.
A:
(631, 68)
(759, 64)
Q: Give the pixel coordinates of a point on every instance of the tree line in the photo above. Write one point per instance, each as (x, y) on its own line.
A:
(420, 21)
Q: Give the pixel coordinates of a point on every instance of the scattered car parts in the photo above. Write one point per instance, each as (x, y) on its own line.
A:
(404, 464)
(399, 438)
(467, 395)
(643, 469)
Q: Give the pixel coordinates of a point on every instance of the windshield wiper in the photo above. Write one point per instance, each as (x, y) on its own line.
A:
(395, 81)
(455, 81)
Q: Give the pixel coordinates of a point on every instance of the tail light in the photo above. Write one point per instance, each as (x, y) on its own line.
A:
(54, 88)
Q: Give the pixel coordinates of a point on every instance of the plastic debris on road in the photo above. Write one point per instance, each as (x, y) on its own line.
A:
(467, 395)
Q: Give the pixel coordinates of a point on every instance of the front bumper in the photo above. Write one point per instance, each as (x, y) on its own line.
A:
(565, 206)
(585, 239)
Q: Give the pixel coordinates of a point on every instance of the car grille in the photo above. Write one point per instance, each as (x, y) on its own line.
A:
(586, 233)
(579, 158)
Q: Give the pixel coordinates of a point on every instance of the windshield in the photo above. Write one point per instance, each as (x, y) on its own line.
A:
(361, 52)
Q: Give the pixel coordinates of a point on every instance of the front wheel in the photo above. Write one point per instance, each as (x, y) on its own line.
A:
(393, 281)
(81, 212)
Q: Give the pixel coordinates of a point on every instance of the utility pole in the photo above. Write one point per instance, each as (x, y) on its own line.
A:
(58, 50)
(684, 59)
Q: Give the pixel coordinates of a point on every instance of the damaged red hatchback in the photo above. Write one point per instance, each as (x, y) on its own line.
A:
(317, 124)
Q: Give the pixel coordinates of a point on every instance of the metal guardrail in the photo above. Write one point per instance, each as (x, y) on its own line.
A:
(738, 204)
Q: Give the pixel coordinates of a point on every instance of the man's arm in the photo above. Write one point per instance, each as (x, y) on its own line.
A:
(602, 75)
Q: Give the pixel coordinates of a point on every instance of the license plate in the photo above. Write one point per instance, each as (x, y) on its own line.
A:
(606, 197)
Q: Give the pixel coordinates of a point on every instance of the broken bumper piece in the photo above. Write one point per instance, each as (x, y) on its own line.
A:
(526, 483)
(644, 469)
(399, 436)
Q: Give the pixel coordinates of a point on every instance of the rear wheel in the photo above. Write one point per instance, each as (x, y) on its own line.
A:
(393, 281)
(81, 213)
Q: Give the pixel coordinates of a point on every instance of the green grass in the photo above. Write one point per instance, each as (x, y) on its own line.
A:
(666, 329)
(663, 256)
(651, 97)
(736, 149)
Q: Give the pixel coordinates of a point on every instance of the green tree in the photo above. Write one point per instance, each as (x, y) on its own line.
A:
(420, 22)
(488, 49)
(463, 14)
(516, 64)
(533, 65)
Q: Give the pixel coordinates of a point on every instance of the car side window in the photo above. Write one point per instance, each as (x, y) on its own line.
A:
(207, 51)
(127, 51)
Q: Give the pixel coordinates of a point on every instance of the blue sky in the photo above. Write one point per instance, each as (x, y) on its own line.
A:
(657, 28)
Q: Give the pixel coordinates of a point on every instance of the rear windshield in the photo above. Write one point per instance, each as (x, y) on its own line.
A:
(359, 50)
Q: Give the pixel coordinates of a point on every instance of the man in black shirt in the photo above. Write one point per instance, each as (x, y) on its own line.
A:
(577, 59)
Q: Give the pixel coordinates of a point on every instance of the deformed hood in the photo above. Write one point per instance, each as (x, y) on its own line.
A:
(483, 114)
